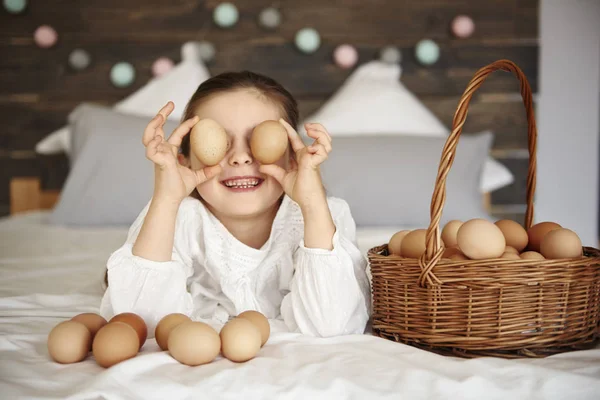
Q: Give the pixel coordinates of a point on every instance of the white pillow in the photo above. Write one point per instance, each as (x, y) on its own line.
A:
(374, 101)
(177, 85)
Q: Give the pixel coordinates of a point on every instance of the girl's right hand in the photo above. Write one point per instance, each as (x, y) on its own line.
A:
(172, 181)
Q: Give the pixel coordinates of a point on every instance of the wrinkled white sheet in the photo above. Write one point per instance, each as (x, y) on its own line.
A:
(48, 274)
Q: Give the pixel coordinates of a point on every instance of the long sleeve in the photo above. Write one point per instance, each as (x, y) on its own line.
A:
(148, 288)
(329, 294)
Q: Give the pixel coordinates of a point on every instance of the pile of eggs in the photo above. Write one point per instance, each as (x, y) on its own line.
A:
(209, 141)
(479, 239)
(189, 342)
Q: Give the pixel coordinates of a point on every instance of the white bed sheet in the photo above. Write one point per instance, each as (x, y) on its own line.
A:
(48, 274)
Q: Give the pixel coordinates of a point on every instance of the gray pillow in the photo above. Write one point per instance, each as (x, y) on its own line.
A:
(111, 179)
(389, 180)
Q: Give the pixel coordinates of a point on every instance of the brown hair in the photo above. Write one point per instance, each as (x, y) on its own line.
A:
(230, 81)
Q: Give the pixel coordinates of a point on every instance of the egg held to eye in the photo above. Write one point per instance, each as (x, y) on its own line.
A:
(269, 141)
(209, 142)
(69, 342)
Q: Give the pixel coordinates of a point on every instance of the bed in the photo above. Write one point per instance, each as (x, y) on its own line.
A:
(50, 273)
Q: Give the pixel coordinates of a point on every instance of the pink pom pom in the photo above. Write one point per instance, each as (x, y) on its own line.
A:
(161, 66)
(45, 36)
(345, 56)
(463, 26)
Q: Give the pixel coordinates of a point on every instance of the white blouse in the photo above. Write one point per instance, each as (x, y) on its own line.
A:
(212, 276)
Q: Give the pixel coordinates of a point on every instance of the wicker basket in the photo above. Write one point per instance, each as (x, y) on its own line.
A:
(496, 307)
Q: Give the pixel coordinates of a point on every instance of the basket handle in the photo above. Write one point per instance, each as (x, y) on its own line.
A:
(433, 241)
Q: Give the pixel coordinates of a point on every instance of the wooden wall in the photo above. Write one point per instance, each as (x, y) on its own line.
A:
(38, 88)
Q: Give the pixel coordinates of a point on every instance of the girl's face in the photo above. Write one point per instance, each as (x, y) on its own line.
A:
(240, 190)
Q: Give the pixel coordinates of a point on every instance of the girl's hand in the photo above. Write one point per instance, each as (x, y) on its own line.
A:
(172, 181)
(303, 181)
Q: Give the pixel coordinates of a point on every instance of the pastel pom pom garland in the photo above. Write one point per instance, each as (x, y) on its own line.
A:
(345, 56)
(122, 74)
(226, 15)
(308, 40)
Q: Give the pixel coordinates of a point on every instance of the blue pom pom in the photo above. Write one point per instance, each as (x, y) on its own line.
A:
(122, 74)
(308, 40)
(15, 6)
(225, 15)
(427, 52)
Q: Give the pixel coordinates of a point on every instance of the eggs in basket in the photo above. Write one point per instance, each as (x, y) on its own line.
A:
(479, 239)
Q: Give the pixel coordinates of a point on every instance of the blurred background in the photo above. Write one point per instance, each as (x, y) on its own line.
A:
(57, 55)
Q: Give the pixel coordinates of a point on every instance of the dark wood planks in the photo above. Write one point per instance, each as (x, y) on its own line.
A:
(38, 89)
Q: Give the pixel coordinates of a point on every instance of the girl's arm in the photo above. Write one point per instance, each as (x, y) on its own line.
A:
(329, 294)
(152, 288)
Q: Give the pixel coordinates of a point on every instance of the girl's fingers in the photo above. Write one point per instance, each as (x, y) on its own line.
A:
(150, 131)
(152, 147)
(318, 152)
(295, 140)
(318, 149)
(205, 174)
(166, 111)
(320, 138)
(318, 127)
(275, 171)
(178, 134)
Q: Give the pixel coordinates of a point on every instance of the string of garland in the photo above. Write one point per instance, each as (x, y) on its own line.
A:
(226, 15)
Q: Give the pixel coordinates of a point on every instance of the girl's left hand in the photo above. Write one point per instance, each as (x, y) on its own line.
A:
(303, 181)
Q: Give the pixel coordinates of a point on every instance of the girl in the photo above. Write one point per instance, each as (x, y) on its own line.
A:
(216, 241)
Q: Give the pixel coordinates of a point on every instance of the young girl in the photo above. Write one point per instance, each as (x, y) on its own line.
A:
(216, 241)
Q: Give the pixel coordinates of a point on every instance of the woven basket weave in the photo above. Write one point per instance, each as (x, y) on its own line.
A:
(496, 307)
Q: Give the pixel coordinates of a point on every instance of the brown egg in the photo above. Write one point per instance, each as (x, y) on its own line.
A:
(511, 256)
(537, 232)
(449, 232)
(260, 321)
(532, 255)
(395, 244)
(194, 343)
(413, 244)
(269, 141)
(509, 249)
(561, 243)
(136, 322)
(209, 142)
(479, 239)
(449, 252)
(91, 321)
(240, 340)
(165, 327)
(514, 233)
(458, 257)
(69, 342)
(115, 342)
